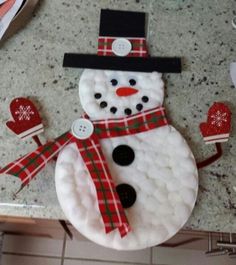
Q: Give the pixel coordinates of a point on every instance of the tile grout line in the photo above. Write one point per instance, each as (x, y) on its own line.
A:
(63, 249)
(151, 256)
(8, 253)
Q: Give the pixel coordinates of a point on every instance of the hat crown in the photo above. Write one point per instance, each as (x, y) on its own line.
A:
(118, 23)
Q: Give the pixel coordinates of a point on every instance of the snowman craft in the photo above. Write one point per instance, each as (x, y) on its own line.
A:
(125, 178)
(153, 169)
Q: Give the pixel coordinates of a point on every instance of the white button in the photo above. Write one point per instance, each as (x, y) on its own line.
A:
(121, 47)
(82, 129)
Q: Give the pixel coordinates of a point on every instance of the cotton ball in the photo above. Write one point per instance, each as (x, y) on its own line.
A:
(87, 201)
(81, 179)
(65, 172)
(173, 184)
(163, 132)
(184, 151)
(190, 181)
(141, 234)
(142, 198)
(151, 204)
(145, 82)
(165, 209)
(86, 85)
(92, 106)
(164, 174)
(163, 160)
(78, 212)
(93, 230)
(160, 233)
(161, 185)
(161, 194)
(79, 166)
(68, 154)
(100, 76)
(170, 225)
(174, 138)
(185, 164)
(158, 75)
(147, 186)
(174, 198)
(94, 215)
(71, 150)
(182, 211)
(188, 164)
(188, 195)
(142, 166)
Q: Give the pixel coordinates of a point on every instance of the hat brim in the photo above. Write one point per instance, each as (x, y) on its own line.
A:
(137, 64)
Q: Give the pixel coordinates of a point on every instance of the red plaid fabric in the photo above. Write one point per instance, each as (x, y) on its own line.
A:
(132, 124)
(109, 203)
(110, 207)
(27, 167)
(139, 47)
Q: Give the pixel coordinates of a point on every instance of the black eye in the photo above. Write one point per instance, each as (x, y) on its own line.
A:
(114, 82)
(132, 82)
(97, 95)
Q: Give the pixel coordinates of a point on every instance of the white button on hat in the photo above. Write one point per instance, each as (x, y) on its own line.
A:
(82, 129)
(121, 47)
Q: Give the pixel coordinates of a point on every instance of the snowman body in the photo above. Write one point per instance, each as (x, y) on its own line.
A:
(157, 165)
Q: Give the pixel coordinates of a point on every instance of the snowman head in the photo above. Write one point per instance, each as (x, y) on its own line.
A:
(115, 94)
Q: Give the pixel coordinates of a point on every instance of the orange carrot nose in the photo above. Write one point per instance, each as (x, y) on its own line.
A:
(126, 91)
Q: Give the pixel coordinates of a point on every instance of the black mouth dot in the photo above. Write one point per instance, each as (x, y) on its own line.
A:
(103, 104)
(145, 99)
(139, 107)
(128, 111)
(97, 95)
(113, 110)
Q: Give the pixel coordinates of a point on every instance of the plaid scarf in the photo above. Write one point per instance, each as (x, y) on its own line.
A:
(110, 207)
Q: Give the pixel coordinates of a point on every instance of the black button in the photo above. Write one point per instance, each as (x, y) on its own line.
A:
(127, 195)
(123, 155)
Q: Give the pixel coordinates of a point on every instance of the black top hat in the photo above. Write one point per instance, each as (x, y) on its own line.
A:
(122, 46)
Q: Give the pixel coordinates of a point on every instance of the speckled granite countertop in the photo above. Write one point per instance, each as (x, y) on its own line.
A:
(31, 65)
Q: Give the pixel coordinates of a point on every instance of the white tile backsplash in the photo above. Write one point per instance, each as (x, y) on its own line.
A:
(79, 252)
(89, 250)
(32, 245)
(177, 256)
(25, 260)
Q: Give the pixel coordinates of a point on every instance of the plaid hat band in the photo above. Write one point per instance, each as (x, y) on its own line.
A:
(138, 47)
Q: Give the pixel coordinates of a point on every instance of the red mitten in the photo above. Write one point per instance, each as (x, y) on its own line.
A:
(26, 120)
(218, 124)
